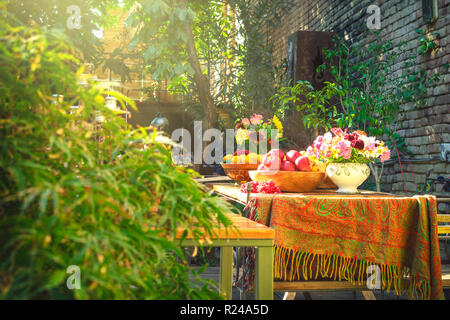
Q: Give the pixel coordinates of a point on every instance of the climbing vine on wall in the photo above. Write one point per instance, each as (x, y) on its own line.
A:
(374, 79)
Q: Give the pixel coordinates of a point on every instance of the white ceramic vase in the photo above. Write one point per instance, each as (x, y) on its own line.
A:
(348, 176)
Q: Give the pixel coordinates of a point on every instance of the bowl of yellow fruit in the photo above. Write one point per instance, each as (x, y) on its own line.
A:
(238, 165)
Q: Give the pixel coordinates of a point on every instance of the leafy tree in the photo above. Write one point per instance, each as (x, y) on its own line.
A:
(82, 188)
(257, 79)
(319, 106)
(212, 51)
(81, 23)
(56, 15)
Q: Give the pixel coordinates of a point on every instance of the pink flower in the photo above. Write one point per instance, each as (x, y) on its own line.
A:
(328, 136)
(344, 149)
(319, 139)
(370, 146)
(386, 155)
(337, 131)
(256, 119)
(245, 122)
(317, 146)
(257, 136)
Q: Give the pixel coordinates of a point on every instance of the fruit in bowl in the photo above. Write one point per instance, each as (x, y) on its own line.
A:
(243, 157)
(288, 166)
(292, 155)
(238, 165)
(296, 171)
(303, 164)
(272, 160)
(293, 160)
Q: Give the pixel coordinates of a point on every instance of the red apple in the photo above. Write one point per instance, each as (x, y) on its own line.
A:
(292, 155)
(303, 164)
(271, 161)
(278, 152)
(288, 166)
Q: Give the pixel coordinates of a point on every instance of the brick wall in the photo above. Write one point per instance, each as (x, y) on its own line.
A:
(424, 129)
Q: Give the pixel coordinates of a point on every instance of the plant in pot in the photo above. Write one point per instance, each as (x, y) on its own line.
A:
(347, 155)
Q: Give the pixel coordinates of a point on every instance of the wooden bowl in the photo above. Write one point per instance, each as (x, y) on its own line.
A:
(290, 181)
(239, 171)
(327, 184)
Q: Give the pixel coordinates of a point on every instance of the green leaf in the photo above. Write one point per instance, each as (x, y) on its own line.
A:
(57, 279)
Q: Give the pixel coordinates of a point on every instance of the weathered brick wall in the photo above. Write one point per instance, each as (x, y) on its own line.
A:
(424, 129)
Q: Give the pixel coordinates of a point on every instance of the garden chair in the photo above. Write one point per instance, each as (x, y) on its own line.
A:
(444, 234)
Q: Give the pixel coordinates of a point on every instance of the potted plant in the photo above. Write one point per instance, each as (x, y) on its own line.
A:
(347, 155)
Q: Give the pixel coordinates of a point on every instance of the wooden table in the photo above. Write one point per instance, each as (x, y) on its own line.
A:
(245, 233)
(233, 193)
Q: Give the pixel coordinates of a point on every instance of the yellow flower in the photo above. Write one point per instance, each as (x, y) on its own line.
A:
(241, 135)
(278, 125)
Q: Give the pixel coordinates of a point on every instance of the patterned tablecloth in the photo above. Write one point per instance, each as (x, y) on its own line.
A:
(323, 236)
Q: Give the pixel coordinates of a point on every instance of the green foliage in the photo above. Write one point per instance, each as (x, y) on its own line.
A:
(427, 45)
(95, 18)
(316, 105)
(253, 78)
(354, 158)
(372, 91)
(53, 15)
(368, 90)
(234, 54)
(423, 188)
(73, 191)
(161, 35)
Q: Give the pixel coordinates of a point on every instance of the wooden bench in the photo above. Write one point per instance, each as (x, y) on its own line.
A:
(247, 233)
(444, 229)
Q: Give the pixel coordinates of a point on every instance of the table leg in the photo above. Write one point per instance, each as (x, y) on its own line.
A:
(226, 272)
(264, 273)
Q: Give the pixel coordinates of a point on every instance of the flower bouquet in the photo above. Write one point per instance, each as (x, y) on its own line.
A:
(255, 131)
(251, 134)
(347, 155)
